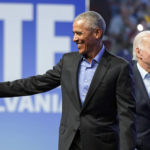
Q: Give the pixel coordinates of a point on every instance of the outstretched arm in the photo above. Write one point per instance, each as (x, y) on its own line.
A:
(33, 84)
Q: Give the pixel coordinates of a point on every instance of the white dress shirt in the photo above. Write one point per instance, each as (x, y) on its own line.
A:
(146, 78)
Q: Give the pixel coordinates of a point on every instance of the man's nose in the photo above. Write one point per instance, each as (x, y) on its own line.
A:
(75, 38)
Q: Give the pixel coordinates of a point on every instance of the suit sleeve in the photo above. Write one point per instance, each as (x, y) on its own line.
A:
(125, 95)
(33, 84)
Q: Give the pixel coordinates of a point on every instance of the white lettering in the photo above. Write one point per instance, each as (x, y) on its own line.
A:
(47, 43)
(26, 104)
(56, 105)
(13, 15)
(11, 105)
(2, 109)
(47, 103)
(42, 103)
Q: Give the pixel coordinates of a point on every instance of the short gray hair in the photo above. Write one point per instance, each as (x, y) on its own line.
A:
(94, 20)
(138, 42)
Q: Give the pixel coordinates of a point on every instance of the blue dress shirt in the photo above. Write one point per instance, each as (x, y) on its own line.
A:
(86, 73)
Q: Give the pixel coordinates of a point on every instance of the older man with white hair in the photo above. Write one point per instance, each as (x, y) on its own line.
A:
(141, 69)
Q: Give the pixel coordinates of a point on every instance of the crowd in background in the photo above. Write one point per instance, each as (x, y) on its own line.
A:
(124, 19)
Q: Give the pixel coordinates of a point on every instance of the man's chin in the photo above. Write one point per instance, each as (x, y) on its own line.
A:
(81, 51)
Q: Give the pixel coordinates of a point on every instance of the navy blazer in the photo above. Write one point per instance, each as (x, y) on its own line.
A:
(143, 111)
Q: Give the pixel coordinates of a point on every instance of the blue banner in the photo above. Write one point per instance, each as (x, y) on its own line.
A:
(34, 34)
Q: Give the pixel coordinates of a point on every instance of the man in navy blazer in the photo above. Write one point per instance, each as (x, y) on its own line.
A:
(98, 101)
(141, 69)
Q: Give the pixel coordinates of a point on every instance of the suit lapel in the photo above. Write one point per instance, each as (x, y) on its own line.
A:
(140, 84)
(75, 66)
(98, 77)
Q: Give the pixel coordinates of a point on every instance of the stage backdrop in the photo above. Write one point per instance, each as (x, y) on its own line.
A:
(34, 34)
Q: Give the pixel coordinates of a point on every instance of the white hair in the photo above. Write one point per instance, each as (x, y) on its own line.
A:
(138, 42)
(93, 19)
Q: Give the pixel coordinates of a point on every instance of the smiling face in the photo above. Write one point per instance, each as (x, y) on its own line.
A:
(85, 37)
(143, 55)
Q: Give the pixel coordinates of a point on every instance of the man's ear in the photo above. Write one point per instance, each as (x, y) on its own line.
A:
(98, 33)
(138, 53)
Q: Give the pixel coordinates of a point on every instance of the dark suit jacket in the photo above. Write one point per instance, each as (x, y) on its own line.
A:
(143, 111)
(110, 98)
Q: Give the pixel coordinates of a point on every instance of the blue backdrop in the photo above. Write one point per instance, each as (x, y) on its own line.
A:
(33, 36)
